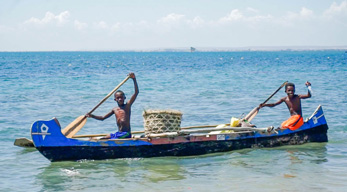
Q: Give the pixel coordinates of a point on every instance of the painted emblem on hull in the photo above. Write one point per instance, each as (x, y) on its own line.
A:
(315, 119)
(44, 129)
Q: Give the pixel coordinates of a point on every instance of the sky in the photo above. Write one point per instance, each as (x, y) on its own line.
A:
(115, 25)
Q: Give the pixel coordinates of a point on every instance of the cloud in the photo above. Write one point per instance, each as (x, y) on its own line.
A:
(251, 16)
(336, 9)
(115, 27)
(245, 17)
(306, 12)
(101, 25)
(253, 22)
(49, 17)
(196, 22)
(234, 15)
(6, 29)
(62, 17)
(252, 10)
(171, 18)
(259, 18)
(170, 23)
(79, 25)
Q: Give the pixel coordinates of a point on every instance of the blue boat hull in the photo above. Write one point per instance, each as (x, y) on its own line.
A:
(49, 140)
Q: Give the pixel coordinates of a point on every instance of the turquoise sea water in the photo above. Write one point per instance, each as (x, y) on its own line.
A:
(209, 88)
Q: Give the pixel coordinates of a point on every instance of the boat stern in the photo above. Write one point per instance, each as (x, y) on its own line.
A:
(47, 133)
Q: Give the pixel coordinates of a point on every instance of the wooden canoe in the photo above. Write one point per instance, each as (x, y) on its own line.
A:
(49, 140)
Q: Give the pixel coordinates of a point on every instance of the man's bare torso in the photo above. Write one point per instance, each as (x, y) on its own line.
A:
(294, 105)
(122, 114)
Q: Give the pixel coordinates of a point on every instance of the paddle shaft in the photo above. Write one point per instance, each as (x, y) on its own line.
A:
(74, 127)
(108, 95)
(252, 114)
(275, 92)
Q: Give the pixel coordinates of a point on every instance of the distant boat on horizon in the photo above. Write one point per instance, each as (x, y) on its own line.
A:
(192, 49)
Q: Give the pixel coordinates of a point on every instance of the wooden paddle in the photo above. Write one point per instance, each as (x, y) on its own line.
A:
(255, 111)
(70, 130)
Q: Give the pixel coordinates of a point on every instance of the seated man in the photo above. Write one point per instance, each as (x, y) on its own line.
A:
(293, 102)
(122, 113)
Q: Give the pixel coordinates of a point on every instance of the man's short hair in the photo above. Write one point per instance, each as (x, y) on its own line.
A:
(289, 84)
(119, 91)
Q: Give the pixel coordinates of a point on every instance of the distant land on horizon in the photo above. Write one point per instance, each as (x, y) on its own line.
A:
(211, 49)
(251, 48)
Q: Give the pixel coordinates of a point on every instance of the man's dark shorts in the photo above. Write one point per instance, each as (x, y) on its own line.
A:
(120, 135)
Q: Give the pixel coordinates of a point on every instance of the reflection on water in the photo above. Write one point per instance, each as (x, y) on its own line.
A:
(118, 173)
(26, 150)
(283, 162)
(161, 169)
(313, 152)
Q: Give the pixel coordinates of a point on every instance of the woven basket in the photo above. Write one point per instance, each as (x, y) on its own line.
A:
(162, 121)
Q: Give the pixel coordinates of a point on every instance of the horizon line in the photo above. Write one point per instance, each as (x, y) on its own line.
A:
(203, 49)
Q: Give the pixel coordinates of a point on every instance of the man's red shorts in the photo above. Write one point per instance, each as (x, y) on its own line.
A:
(293, 123)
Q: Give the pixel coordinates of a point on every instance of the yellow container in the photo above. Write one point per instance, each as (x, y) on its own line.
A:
(234, 122)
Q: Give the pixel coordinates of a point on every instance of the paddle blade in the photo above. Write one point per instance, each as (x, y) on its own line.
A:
(253, 115)
(23, 142)
(70, 130)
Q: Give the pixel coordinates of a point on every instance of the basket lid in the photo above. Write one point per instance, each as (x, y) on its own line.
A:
(161, 111)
